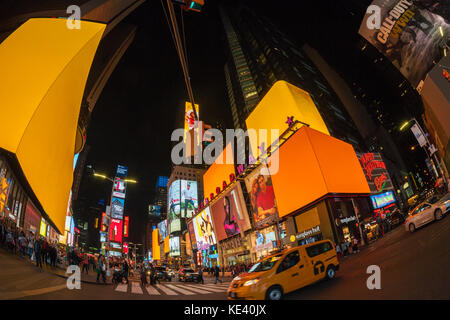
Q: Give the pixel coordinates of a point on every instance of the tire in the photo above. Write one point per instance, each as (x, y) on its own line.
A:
(331, 272)
(438, 214)
(274, 293)
(412, 227)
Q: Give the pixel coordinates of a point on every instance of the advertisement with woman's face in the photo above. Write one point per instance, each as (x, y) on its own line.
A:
(262, 197)
(230, 214)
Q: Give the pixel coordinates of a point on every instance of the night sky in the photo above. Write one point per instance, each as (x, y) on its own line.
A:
(143, 101)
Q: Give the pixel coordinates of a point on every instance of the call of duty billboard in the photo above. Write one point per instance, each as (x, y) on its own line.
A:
(412, 34)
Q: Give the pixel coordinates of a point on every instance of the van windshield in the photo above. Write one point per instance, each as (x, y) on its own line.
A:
(266, 264)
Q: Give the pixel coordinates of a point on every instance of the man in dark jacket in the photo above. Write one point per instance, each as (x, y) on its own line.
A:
(38, 252)
(216, 274)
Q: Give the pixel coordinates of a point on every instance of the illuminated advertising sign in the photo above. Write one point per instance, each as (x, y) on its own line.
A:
(126, 226)
(4, 190)
(313, 165)
(115, 230)
(283, 100)
(154, 210)
(230, 214)
(203, 229)
(125, 248)
(103, 237)
(192, 235)
(67, 225)
(218, 174)
(262, 197)
(264, 239)
(162, 227)
(174, 247)
(189, 116)
(375, 171)
(119, 188)
(122, 171)
(43, 228)
(117, 206)
(105, 221)
(409, 34)
(173, 216)
(383, 199)
(189, 198)
(155, 245)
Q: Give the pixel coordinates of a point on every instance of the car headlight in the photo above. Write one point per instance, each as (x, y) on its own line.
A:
(237, 278)
(251, 282)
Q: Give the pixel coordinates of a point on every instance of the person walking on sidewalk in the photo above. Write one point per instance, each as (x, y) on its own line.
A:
(38, 252)
(216, 274)
(200, 272)
(85, 264)
(101, 269)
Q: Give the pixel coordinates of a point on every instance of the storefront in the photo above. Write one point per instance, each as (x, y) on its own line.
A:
(264, 242)
(235, 250)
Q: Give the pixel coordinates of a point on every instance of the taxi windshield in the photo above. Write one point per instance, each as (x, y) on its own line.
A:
(266, 264)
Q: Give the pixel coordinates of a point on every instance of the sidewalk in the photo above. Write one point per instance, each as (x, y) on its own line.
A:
(57, 271)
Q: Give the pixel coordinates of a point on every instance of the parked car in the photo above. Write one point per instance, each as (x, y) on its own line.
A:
(395, 219)
(162, 274)
(426, 212)
(187, 275)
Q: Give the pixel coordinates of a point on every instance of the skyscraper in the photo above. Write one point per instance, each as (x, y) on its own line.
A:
(259, 55)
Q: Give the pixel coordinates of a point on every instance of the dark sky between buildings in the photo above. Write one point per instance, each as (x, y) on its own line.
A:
(143, 101)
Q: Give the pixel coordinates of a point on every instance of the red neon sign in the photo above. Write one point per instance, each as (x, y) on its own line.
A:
(125, 228)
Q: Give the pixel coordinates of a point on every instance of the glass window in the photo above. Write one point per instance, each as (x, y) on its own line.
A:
(289, 261)
(317, 249)
(266, 264)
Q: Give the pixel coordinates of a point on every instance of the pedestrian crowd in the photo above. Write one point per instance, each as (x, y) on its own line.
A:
(28, 244)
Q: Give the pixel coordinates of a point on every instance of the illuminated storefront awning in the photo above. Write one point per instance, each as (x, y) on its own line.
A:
(44, 67)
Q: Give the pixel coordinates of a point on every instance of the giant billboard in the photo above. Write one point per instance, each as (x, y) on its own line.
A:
(262, 197)
(411, 34)
(203, 229)
(117, 205)
(115, 230)
(189, 198)
(230, 214)
(173, 215)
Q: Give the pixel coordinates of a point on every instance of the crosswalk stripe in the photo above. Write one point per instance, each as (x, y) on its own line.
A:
(166, 290)
(200, 290)
(152, 290)
(215, 286)
(183, 291)
(122, 287)
(214, 289)
(136, 288)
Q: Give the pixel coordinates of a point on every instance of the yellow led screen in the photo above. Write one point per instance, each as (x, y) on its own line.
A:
(283, 100)
(44, 67)
(155, 245)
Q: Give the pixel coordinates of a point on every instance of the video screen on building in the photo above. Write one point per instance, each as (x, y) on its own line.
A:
(192, 235)
(115, 230)
(383, 199)
(119, 188)
(175, 225)
(189, 198)
(154, 210)
(174, 209)
(117, 206)
(230, 214)
(203, 228)
(262, 197)
(174, 245)
(162, 227)
(409, 35)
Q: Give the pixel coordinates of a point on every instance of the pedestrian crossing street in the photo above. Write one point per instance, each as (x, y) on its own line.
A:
(172, 288)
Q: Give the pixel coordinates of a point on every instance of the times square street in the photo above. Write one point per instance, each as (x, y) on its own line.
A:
(413, 266)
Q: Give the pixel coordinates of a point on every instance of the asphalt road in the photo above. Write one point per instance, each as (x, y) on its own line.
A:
(413, 266)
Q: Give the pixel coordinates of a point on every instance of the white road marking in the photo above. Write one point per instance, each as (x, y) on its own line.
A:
(183, 291)
(213, 289)
(166, 290)
(136, 288)
(199, 289)
(122, 287)
(152, 290)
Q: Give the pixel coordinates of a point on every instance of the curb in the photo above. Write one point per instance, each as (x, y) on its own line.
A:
(83, 281)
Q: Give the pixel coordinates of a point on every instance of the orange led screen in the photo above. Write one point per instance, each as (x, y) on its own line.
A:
(218, 172)
(311, 165)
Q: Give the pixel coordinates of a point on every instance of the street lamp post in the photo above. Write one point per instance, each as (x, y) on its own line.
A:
(430, 155)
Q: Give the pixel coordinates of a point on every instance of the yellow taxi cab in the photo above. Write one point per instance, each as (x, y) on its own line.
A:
(281, 273)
